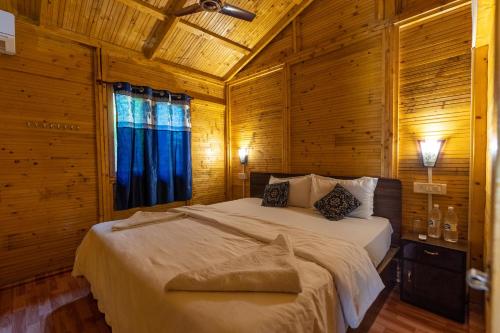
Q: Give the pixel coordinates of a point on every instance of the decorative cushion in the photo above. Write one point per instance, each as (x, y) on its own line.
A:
(300, 190)
(276, 195)
(337, 204)
(362, 188)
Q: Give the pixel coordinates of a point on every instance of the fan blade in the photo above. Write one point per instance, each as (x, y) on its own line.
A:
(196, 8)
(237, 12)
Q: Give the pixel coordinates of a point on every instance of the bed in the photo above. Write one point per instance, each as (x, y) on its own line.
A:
(128, 269)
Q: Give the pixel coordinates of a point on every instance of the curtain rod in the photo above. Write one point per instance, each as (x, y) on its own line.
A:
(99, 81)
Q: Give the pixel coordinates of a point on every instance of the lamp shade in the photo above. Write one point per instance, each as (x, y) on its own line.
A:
(430, 150)
(243, 153)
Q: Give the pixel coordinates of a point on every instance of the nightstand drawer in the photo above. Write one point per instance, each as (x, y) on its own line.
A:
(434, 255)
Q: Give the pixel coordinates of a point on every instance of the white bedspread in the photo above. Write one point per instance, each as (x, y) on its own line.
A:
(271, 268)
(128, 270)
(373, 234)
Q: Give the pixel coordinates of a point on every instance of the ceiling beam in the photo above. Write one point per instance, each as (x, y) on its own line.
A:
(164, 30)
(298, 7)
(146, 8)
(205, 33)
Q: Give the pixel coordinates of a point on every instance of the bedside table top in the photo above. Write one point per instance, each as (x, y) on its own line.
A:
(461, 245)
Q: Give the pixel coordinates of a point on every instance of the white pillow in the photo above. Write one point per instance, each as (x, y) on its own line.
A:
(299, 192)
(362, 188)
(320, 186)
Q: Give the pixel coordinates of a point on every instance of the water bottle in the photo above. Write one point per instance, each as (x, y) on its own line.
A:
(434, 225)
(451, 226)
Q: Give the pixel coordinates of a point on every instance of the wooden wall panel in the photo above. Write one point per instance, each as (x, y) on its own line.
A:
(118, 67)
(48, 179)
(343, 85)
(256, 111)
(434, 101)
(274, 54)
(49, 191)
(336, 111)
(335, 93)
(28, 8)
(208, 153)
(408, 8)
(326, 21)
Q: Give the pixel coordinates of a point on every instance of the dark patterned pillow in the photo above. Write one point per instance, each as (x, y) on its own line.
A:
(276, 195)
(337, 204)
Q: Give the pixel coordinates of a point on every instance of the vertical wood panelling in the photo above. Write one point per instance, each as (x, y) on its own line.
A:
(28, 8)
(328, 21)
(488, 24)
(335, 96)
(48, 177)
(275, 53)
(122, 68)
(478, 163)
(256, 121)
(207, 142)
(348, 103)
(336, 111)
(434, 101)
(407, 8)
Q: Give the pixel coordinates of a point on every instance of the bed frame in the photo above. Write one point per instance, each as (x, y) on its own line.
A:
(388, 204)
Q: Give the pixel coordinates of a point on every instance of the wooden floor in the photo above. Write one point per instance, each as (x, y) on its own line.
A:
(62, 303)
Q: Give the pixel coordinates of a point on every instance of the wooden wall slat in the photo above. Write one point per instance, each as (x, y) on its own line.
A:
(349, 69)
(336, 110)
(334, 52)
(434, 101)
(256, 121)
(328, 21)
(208, 153)
(48, 182)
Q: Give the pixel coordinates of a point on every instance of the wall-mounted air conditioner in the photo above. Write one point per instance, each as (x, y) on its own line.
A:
(7, 33)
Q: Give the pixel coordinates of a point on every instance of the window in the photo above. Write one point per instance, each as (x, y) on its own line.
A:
(151, 146)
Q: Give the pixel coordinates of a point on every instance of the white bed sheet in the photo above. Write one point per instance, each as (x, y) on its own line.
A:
(373, 234)
(128, 270)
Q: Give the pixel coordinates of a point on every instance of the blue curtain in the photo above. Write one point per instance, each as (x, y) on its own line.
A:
(153, 139)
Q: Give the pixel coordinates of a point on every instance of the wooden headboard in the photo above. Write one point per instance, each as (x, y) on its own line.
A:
(387, 201)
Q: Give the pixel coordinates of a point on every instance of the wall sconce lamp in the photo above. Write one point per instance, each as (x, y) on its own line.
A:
(430, 150)
(243, 153)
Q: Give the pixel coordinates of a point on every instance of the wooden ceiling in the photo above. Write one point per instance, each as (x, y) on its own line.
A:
(205, 43)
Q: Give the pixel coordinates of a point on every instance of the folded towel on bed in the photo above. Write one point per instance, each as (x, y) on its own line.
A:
(145, 218)
(271, 268)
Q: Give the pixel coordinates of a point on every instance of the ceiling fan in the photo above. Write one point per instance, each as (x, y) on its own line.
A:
(216, 6)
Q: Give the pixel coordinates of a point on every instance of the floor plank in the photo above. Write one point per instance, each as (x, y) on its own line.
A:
(62, 303)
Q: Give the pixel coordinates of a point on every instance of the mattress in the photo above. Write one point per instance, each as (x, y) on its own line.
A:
(373, 234)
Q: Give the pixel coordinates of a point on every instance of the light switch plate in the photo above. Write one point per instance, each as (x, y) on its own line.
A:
(242, 176)
(429, 188)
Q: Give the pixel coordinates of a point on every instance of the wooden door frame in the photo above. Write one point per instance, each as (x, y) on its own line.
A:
(493, 321)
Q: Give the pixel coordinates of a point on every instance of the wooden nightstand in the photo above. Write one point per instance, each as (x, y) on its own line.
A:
(433, 275)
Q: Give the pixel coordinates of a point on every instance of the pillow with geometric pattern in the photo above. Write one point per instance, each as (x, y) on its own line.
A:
(276, 195)
(337, 204)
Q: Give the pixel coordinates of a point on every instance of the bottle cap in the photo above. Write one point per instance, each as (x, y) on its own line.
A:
(436, 206)
(450, 208)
